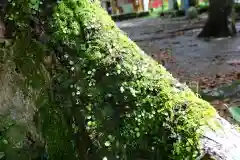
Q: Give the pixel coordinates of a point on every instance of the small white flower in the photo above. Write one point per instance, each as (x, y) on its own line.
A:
(66, 56)
(78, 93)
(118, 71)
(104, 158)
(71, 62)
(73, 93)
(107, 143)
(121, 89)
(72, 68)
(89, 117)
(78, 88)
(71, 86)
(107, 74)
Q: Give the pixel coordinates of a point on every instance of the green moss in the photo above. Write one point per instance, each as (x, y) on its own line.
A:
(17, 140)
(18, 137)
(50, 118)
(127, 102)
(146, 106)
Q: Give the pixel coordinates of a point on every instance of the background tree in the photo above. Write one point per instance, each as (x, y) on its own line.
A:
(221, 19)
(175, 5)
(193, 3)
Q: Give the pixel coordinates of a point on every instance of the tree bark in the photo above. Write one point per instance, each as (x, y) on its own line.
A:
(221, 20)
(193, 3)
(130, 104)
(175, 5)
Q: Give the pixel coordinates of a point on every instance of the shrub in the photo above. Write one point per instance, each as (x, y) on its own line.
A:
(192, 13)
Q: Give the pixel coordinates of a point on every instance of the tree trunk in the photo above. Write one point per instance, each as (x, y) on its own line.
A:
(175, 5)
(193, 3)
(221, 20)
(131, 106)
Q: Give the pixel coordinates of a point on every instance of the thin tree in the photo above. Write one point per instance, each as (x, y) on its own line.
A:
(175, 5)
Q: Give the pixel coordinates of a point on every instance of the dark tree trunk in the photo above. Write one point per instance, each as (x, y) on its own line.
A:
(221, 22)
(193, 2)
(175, 5)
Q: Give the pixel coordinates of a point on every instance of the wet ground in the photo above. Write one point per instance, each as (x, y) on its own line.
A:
(209, 63)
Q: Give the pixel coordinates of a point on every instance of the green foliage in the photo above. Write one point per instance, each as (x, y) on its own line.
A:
(237, 8)
(235, 112)
(192, 13)
(103, 89)
(204, 3)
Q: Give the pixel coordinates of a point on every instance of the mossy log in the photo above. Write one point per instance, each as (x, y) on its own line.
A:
(110, 100)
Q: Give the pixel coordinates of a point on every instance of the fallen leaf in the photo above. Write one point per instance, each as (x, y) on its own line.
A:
(235, 112)
(234, 62)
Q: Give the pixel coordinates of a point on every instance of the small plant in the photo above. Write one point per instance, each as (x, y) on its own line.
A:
(192, 13)
(194, 85)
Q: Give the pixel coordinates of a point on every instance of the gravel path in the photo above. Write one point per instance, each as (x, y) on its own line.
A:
(191, 57)
(201, 63)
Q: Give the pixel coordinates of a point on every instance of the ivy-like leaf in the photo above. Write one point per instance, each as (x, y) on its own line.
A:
(235, 112)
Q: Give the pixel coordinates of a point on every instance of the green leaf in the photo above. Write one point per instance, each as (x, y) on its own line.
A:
(138, 134)
(2, 155)
(235, 112)
(107, 144)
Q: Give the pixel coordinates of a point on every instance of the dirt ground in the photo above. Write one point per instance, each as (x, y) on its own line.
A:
(174, 43)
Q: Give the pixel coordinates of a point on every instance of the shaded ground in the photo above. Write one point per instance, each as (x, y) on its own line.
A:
(204, 63)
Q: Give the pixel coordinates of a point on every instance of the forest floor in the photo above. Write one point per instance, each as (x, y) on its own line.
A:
(205, 65)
